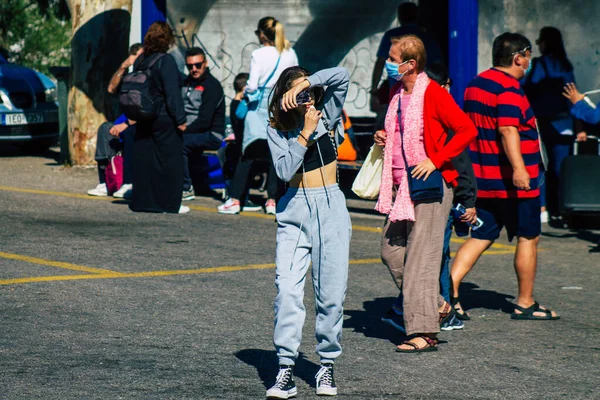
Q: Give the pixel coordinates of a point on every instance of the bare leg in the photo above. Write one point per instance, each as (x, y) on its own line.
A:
(525, 267)
(465, 260)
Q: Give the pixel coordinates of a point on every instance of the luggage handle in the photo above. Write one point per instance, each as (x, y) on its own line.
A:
(576, 144)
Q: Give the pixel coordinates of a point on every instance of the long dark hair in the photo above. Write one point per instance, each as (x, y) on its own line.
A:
(287, 121)
(554, 46)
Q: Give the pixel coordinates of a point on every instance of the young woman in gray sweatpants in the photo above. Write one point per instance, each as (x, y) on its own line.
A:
(313, 221)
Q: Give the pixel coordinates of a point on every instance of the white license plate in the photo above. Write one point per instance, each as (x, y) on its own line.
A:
(23, 119)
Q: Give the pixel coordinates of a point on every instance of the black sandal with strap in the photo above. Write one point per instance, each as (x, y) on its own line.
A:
(431, 345)
(527, 313)
(463, 316)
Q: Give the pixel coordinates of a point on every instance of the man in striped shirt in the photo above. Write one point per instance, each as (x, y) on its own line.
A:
(506, 157)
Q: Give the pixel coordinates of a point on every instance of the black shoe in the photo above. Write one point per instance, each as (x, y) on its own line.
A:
(395, 320)
(284, 387)
(462, 314)
(250, 206)
(325, 382)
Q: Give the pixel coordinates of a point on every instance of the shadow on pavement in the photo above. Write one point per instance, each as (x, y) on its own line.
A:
(583, 234)
(266, 364)
(14, 151)
(473, 297)
(368, 320)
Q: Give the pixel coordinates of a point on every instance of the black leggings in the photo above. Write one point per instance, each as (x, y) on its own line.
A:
(257, 151)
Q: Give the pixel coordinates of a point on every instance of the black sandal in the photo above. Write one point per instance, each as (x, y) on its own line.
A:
(527, 313)
(431, 345)
(463, 316)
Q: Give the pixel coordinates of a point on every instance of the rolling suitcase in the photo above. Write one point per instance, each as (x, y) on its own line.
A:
(580, 180)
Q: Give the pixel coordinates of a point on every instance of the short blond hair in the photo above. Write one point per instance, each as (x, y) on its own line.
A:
(411, 48)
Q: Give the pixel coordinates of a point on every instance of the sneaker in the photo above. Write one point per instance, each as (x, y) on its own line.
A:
(184, 209)
(99, 190)
(395, 320)
(453, 324)
(284, 387)
(250, 206)
(270, 207)
(123, 191)
(325, 382)
(188, 195)
(229, 207)
(545, 217)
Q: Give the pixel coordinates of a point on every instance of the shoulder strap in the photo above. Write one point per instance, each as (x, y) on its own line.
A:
(399, 113)
(272, 73)
(158, 57)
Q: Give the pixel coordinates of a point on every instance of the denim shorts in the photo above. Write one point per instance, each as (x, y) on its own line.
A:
(521, 217)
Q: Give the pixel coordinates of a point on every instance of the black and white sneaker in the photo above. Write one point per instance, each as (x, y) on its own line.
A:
(188, 195)
(284, 387)
(325, 382)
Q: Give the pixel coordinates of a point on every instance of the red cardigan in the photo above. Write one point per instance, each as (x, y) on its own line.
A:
(441, 114)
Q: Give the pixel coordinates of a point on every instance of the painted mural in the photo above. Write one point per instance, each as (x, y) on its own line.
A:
(324, 33)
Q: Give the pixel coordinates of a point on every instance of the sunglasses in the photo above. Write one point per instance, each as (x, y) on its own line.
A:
(301, 98)
(197, 65)
(521, 51)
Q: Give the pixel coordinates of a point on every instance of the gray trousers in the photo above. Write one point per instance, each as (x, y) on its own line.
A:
(412, 251)
(313, 225)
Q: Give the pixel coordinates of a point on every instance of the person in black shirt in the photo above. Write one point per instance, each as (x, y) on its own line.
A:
(204, 105)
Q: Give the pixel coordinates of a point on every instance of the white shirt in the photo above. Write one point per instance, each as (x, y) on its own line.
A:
(263, 62)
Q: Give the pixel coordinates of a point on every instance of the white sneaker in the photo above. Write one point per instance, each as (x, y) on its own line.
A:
(229, 207)
(271, 207)
(184, 209)
(121, 193)
(545, 217)
(99, 190)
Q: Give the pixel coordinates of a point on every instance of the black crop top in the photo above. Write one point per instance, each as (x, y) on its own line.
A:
(312, 160)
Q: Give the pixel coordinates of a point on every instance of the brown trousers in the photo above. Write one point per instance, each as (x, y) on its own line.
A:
(412, 251)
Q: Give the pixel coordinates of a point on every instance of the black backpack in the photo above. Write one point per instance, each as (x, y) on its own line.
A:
(136, 97)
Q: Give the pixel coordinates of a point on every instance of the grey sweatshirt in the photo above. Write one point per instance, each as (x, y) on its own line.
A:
(286, 152)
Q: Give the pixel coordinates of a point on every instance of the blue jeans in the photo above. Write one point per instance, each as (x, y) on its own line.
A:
(445, 267)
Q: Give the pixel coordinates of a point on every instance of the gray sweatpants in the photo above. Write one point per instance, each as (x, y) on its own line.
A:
(313, 225)
(412, 251)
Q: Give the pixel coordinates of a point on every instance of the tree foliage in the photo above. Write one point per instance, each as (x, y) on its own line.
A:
(36, 33)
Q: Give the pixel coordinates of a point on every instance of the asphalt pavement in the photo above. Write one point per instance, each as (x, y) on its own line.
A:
(98, 302)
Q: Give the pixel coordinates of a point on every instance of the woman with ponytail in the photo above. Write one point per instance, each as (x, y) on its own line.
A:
(266, 65)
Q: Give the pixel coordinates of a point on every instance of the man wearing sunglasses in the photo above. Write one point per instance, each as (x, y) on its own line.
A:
(205, 113)
(506, 158)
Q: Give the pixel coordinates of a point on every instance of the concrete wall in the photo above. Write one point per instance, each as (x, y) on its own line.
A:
(577, 20)
(324, 33)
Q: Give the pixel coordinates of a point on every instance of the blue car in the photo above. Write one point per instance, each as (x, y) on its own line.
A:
(28, 107)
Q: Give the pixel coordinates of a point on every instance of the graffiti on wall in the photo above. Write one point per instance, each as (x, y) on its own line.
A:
(323, 33)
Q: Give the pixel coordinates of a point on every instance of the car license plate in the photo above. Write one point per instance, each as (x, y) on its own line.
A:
(23, 118)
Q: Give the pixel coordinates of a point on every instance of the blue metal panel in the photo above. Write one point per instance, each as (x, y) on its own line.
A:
(463, 21)
(152, 11)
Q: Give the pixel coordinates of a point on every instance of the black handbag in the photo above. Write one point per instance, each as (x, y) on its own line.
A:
(421, 189)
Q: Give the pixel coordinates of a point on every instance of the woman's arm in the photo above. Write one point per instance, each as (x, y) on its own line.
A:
(255, 70)
(454, 119)
(336, 80)
(581, 109)
(287, 158)
(170, 78)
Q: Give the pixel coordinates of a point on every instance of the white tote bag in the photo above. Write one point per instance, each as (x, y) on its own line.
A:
(367, 182)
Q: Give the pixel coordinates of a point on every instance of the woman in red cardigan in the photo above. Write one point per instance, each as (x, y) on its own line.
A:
(417, 144)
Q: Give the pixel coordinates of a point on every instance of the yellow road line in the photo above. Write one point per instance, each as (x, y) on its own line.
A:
(115, 275)
(58, 264)
(51, 193)
(212, 210)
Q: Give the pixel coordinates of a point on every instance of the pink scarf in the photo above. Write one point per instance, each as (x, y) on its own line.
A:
(403, 208)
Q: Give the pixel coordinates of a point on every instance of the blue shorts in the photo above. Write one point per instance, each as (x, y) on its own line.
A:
(521, 217)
